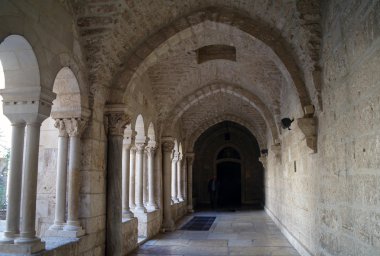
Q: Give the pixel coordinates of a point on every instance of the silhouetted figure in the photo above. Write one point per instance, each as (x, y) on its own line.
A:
(213, 187)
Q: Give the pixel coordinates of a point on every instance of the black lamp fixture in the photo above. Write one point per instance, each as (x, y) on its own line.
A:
(286, 123)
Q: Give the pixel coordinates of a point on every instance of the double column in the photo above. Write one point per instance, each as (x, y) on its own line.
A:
(115, 125)
(72, 127)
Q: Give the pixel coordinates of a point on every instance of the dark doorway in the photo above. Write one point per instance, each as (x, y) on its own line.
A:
(229, 176)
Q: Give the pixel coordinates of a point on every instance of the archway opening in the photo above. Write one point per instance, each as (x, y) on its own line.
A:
(229, 152)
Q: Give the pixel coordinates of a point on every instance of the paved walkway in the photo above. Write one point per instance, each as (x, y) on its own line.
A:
(233, 233)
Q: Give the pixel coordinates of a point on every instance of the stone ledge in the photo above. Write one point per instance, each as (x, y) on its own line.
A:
(22, 249)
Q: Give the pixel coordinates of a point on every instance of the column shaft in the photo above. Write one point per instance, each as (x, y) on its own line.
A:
(12, 224)
(125, 182)
(29, 185)
(139, 178)
(174, 180)
(151, 186)
(145, 178)
(74, 186)
(132, 176)
(179, 180)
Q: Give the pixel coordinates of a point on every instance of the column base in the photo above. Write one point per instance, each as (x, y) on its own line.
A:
(175, 201)
(8, 237)
(180, 199)
(190, 209)
(71, 231)
(151, 207)
(56, 226)
(127, 214)
(27, 247)
(140, 209)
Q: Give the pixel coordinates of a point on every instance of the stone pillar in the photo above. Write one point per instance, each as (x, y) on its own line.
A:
(189, 161)
(60, 206)
(140, 145)
(132, 178)
(151, 179)
(75, 127)
(145, 178)
(174, 178)
(167, 149)
(29, 185)
(115, 126)
(125, 180)
(184, 179)
(179, 178)
(12, 224)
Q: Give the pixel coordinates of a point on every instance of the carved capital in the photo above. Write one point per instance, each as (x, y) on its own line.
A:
(168, 146)
(150, 150)
(60, 125)
(140, 147)
(276, 149)
(75, 126)
(263, 160)
(115, 123)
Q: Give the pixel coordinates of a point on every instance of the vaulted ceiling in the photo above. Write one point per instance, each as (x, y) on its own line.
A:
(277, 47)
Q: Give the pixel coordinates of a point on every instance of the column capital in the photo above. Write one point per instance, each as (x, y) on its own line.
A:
(167, 144)
(140, 146)
(115, 122)
(190, 157)
(176, 156)
(60, 125)
(150, 149)
(75, 126)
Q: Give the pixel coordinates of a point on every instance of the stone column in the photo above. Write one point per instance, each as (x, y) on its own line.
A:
(75, 127)
(184, 179)
(167, 149)
(132, 178)
(60, 206)
(189, 161)
(12, 224)
(151, 186)
(179, 178)
(140, 145)
(115, 125)
(125, 180)
(145, 178)
(29, 185)
(174, 178)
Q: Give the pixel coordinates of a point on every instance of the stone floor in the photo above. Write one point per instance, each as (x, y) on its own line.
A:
(232, 233)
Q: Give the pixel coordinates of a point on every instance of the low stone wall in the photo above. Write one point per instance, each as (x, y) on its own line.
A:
(129, 235)
(148, 223)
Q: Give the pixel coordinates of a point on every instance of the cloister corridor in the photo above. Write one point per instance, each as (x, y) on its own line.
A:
(123, 122)
(247, 232)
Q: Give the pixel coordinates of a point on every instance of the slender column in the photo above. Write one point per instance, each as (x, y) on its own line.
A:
(29, 185)
(75, 127)
(174, 179)
(184, 179)
(167, 149)
(132, 178)
(125, 181)
(189, 161)
(60, 206)
(179, 178)
(12, 224)
(139, 176)
(151, 187)
(116, 122)
(145, 178)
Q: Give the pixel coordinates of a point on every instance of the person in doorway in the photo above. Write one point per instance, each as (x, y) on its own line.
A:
(213, 191)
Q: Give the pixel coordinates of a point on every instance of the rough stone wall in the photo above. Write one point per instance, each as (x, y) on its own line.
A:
(330, 203)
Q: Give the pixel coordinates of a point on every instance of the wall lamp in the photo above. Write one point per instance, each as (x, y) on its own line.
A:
(286, 123)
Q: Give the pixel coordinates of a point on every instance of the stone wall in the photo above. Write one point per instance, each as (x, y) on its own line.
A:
(329, 201)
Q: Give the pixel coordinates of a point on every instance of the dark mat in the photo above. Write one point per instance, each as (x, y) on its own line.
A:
(199, 223)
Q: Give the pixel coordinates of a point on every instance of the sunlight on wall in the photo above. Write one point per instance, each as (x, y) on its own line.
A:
(5, 125)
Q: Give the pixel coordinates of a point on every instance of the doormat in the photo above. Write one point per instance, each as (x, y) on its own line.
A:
(199, 223)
